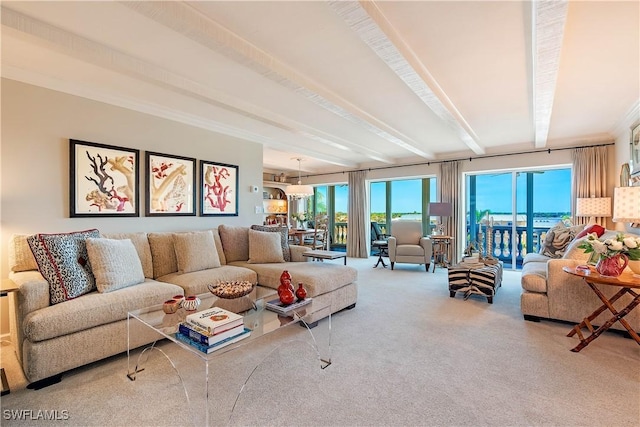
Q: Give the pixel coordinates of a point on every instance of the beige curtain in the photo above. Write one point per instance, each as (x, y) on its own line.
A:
(450, 193)
(589, 177)
(357, 235)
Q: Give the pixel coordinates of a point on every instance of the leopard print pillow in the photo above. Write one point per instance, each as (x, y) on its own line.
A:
(63, 261)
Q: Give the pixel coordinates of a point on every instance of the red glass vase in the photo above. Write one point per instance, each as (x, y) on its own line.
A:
(301, 292)
(285, 282)
(287, 297)
(612, 266)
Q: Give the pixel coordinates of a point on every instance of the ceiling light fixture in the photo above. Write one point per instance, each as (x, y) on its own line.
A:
(299, 191)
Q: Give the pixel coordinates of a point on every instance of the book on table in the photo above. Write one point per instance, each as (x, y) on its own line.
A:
(246, 332)
(199, 334)
(281, 308)
(215, 320)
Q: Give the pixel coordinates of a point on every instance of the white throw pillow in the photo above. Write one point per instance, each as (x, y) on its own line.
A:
(195, 251)
(115, 263)
(264, 247)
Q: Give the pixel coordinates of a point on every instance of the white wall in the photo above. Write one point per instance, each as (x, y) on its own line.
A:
(34, 176)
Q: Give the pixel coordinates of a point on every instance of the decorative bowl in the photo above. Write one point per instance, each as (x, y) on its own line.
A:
(191, 303)
(231, 290)
(179, 299)
(170, 306)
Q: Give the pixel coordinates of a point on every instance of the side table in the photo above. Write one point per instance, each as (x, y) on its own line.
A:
(7, 286)
(628, 285)
(383, 250)
(440, 245)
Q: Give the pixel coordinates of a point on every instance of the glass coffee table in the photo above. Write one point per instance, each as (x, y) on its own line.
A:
(147, 324)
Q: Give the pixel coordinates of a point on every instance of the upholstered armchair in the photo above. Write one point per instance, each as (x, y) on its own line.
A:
(407, 244)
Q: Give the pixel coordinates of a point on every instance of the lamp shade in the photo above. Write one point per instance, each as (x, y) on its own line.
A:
(593, 206)
(299, 191)
(440, 209)
(626, 204)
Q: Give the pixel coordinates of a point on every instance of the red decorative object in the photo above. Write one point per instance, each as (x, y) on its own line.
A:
(594, 228)
(285, 283)
(612, 266)
(301, 292)
(287, 297)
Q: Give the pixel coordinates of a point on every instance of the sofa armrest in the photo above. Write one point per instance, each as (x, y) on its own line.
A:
(392, 244)
(297, 251)
(33, 291)
(555, 274)
(426, 243)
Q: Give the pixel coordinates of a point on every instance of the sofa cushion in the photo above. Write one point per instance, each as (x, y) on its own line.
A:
(20, 255)
(594, 228)
(164, 256)
(94, 309)
(219, 247)
(62, 260)
(557, 239)
(534, 257)
(235, 241)
(317, 277)
(195, 283)
(195, 251)
(574, 252)
(264, 247)
(284, 238)
(115, 263)
(534, 277)
(141, 243)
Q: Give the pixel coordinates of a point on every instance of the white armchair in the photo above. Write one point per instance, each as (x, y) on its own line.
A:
(407, 244)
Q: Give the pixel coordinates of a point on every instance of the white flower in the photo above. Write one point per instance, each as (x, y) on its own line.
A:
(615, 245)
(599, 247)
(630, 242)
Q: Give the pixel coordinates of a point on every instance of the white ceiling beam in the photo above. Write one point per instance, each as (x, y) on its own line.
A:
(372, 26)
(549, 18)
(95, 53)
(192, 24)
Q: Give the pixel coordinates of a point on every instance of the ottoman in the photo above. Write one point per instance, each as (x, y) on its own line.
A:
(475, 278)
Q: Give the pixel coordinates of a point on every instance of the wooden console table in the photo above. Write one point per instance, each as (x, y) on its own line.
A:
(628, 285)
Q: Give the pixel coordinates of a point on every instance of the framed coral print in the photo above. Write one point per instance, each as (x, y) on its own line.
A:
(635, 151)
(218, 189)
(103, 180)
(170, 183)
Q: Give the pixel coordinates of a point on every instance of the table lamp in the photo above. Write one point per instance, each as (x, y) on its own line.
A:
(593, 207)
(442, 210)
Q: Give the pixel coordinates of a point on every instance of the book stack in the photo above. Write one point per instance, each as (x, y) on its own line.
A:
(284, 309)
(212, 329)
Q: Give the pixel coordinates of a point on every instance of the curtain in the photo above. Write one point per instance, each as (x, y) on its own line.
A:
(450, 193)
(589, 177)
(357, 235)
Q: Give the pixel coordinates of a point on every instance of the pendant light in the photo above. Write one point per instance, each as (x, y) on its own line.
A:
(299, 191)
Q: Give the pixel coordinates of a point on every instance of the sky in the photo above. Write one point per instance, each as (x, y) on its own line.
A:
(552, 193)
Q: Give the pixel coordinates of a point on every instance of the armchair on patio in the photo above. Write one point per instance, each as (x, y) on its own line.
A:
(408, 245)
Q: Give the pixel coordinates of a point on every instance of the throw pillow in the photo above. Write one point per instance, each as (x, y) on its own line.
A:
(20, 256)
(594, 228)
(115, 263)
(264, 247)
(63, 262)
(284, 238)
(557, 239)
(195, 251)
(235, 241)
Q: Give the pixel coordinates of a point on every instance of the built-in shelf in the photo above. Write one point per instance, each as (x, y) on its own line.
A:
(276, 206)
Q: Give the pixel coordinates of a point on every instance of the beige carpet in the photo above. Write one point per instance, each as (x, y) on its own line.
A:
(406, 355)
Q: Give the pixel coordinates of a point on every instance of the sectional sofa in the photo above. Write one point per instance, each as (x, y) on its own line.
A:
(134, 270)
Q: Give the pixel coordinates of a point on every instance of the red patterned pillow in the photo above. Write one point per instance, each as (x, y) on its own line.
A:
(594, 228)
(63, 261)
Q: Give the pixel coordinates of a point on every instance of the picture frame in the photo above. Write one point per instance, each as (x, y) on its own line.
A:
(635, 151)
(218, 189)
(103, 180)
(170, 185)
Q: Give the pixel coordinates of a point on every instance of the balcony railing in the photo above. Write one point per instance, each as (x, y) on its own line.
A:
(502, 240)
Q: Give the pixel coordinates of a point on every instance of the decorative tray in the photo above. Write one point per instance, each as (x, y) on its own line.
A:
(231, 290)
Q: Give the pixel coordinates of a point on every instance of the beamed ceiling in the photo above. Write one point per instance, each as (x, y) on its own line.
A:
(343, 84)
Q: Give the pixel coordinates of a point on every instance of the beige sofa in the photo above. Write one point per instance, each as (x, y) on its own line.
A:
(550, 293)
(51, 339)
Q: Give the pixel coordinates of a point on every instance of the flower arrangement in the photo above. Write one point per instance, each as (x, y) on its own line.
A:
(298, 216)
(629, 246)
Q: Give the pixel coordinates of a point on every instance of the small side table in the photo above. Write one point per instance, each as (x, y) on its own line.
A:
(7, 286)
(440, 245)
(628, 285)
(383, 250)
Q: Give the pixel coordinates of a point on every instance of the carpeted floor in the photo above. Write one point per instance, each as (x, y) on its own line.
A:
(406, 355)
